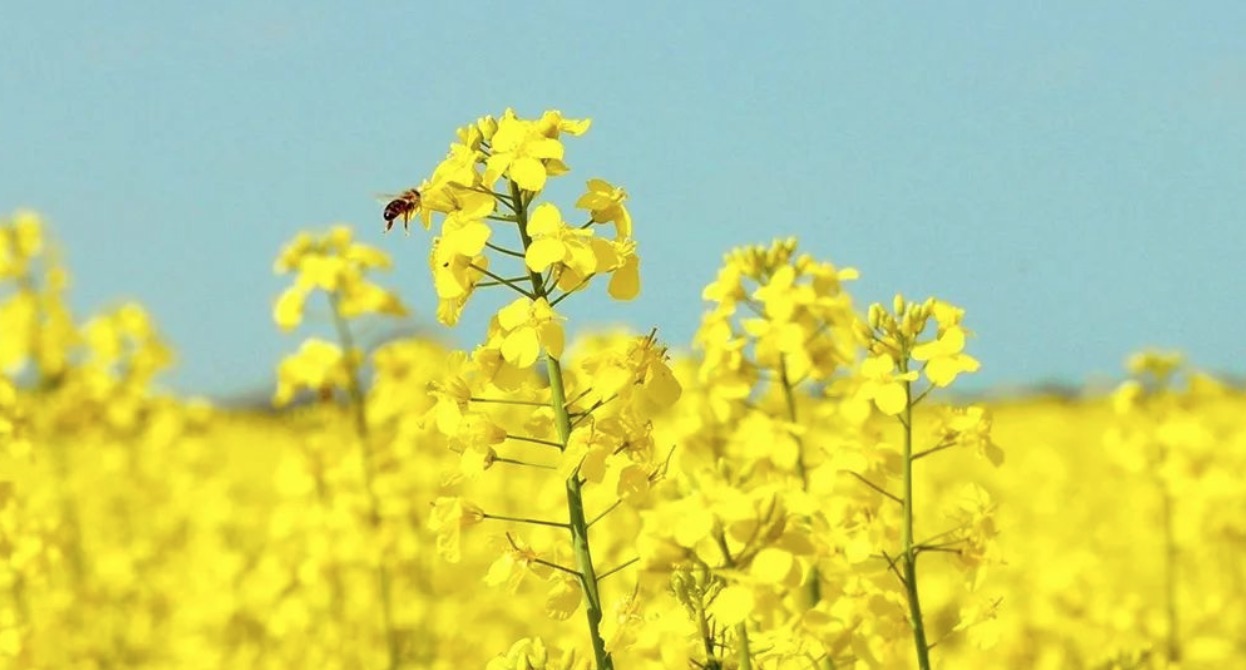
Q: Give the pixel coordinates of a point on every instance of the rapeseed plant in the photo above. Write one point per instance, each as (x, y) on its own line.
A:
(896, 345)
(594, 415)
(337, 265)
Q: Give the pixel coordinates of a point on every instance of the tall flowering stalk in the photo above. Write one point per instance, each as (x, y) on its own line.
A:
(780, 326)
(596, 415)
(899, 353)
(337, 265)
(1158, 438)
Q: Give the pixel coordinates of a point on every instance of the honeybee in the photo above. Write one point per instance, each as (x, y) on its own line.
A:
(404, 205)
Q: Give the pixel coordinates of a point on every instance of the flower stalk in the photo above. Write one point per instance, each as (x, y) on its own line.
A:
(908, 556)
(577, 519)
(358, 402)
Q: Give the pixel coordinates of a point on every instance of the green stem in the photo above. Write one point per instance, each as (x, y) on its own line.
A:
(626, 564)
(520, 519)
(711, 658)
(579, 527)
(909, 556)
(359, 406)
(574, 486)
(504, 401)
(502, 280)
(745, 654)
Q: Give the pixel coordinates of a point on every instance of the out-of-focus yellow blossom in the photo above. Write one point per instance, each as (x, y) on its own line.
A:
(21, 242)
(319, 366)
(516, 563)
(39, 331)
(733, 605)
(1160, 365)
(14, 419)
(449, 518)
(563, 598)
(336, 264)
(971, 427)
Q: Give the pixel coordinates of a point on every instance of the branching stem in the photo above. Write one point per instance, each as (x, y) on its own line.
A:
(578, 524)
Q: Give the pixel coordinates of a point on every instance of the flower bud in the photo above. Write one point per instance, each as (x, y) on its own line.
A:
(487, 125)
(898, 304)
(876, 316)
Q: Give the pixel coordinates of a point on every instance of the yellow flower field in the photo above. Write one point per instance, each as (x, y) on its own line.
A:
(801, 491)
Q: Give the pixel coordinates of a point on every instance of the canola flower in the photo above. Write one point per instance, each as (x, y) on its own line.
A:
(596, 413)
(794, 492)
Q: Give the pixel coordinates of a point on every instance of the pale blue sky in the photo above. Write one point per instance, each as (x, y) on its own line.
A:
(1071, 176)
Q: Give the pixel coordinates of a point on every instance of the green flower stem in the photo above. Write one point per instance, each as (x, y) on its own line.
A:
(579, 524)
(881, 491)
(909, 556)
(574, 485)
(503, 280)
(577, 287)
(626, 564)
(604, 512)
(711, 659)
(526, 464)
(504, 401)
(359, 405)
(520, 519)
(935, 449)
(504, 250)
(745, 654)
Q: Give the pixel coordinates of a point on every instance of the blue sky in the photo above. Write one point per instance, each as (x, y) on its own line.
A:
(1071, 176)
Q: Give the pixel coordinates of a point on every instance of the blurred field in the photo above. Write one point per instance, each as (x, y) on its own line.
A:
(205, 539)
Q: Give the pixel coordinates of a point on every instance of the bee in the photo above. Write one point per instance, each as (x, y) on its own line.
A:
(404, 205)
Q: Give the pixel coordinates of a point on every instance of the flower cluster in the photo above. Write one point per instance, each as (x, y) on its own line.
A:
(491, 176)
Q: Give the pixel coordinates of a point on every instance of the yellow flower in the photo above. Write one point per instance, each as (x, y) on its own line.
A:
(553, 241)
(971, 427)
(319, 366)
(733, 605)
(288, 310)
(27, 233)
(883, 385)
(625, 277)
(604, 201)
(333, 263)
(450, 516)
(518, 561)
(944, 357)
(529, 328)
(520, 151)
(563, 598)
